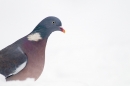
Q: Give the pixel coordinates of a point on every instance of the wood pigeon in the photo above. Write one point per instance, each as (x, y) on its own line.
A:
(25, 58)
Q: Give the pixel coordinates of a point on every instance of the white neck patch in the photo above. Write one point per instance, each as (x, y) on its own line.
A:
(34, 37)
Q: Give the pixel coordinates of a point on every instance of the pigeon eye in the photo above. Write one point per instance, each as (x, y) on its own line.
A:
(53, 22)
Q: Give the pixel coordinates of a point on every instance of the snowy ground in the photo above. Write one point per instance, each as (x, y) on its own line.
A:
(93, 52)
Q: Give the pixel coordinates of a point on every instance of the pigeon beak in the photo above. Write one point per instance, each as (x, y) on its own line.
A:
(62, 29)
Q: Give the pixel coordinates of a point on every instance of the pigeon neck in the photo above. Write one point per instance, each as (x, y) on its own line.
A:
(39, 33)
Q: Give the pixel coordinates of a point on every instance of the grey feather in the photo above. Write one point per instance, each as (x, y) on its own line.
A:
(11, 58)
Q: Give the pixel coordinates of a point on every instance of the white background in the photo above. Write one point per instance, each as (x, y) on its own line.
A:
(95, 51)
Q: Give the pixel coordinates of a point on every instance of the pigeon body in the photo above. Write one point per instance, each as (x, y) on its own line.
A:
(25, 58)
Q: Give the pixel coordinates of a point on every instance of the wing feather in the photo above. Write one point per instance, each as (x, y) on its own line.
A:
(11, 58)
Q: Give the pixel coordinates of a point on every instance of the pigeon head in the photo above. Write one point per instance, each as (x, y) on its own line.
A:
(45, 28)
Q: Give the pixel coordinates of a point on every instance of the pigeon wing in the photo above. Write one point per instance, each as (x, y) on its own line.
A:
(12, 60)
